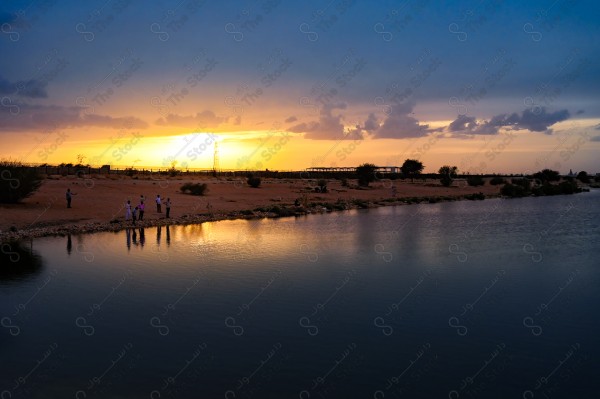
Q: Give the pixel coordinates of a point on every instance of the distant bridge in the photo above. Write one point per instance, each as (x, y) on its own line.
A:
(382, 169)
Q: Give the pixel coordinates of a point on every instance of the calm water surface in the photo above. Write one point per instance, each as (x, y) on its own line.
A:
(496, 298)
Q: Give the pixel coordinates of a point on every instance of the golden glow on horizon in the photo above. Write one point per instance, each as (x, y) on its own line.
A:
(277, 150)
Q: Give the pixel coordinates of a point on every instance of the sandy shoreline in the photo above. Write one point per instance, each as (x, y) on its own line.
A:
(98, 203)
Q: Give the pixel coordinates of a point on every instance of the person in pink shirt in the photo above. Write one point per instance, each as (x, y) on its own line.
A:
(141, 208)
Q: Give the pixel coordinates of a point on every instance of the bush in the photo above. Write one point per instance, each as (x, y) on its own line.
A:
(583, 177)
(547, 175)
(565, 187)
(496, 180)
(322, 183)
(513, 190)
(523, 182)
(17, 182)
(254, 181)
(475, 196)
(475, 181)
(365, 174)
(282, 211)
(448, 173)
(194, 189)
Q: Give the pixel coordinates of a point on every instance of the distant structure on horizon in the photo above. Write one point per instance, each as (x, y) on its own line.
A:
(383, 169)
(216, 158)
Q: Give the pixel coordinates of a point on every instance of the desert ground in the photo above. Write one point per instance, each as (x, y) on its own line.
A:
(98, 200)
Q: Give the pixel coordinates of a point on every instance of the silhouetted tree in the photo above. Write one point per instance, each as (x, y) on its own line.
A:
(366, 174)
(547, 175)
(583, 177)
(411, 168)
(447, 174)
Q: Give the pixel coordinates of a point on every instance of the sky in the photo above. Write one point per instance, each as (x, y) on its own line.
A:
(489, 86)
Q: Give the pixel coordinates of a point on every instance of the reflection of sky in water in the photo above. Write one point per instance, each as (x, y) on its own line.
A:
(447, 286)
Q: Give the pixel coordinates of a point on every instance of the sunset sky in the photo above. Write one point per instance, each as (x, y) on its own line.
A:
(489, 86)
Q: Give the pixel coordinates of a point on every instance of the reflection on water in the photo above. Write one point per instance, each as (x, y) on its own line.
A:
(495, 298)
(19, 262)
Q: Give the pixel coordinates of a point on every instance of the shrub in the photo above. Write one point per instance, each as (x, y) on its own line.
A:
(522, 182)
(475, 181)
(366, 174)
(448, 173)
(564, 187)
(194, 188)
(322, 183)
(496, 180)
(547, 175)
(475, 196)
(17, 182)
(254, 181)
(513, 190)
(282, 211)
(344, 182)
(173, 172)
(362, 204)
(583, 177)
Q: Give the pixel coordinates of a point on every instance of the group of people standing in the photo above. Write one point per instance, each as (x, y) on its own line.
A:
(137, 213)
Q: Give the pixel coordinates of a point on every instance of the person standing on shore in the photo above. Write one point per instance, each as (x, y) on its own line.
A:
(168, 206)
(135, 212)
(142, 207)
(69, 195)
(158, 203)
(128, 210)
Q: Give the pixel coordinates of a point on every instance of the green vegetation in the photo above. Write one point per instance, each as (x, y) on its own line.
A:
(17, 182)
(513, 191)
(366, 174)
(447, 174)
(322, 183)
(194, 188)
(583, 177)
(564, 187)
(173, 170)
(522, 187)
(475, 196)
(496, 180)
(547, 176)
(475, 181)
(362, 204)
(253, 181)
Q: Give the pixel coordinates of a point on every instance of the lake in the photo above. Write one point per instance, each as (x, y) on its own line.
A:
(495, 298)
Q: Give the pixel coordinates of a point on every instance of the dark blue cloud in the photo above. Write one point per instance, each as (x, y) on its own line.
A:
(488, 56)
(31, 88)
(535, 120)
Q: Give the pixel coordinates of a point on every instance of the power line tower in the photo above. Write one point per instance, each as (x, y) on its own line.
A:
(216, 158)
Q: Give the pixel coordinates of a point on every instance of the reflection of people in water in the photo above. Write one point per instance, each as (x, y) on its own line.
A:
(69, 244)
(168, 236)
(134, 237)
(128, 234)
(158, 231)
(142, 237)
